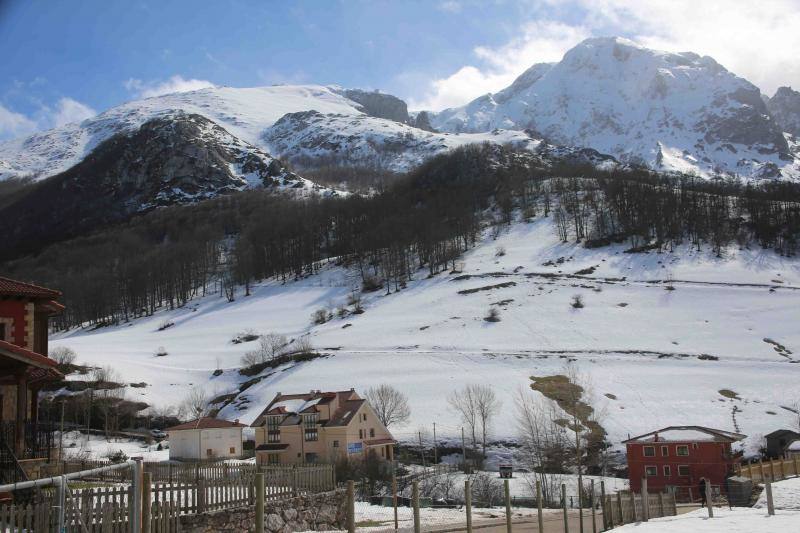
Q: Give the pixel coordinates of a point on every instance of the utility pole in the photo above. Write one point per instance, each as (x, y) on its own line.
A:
(421, 449)
(578, 459)
(435, 454)
(464, 450)
(61, 433)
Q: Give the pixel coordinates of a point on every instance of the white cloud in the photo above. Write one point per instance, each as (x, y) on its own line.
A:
(450, 6)
(69, 110)
(14, 124)
(755, 40)
(175, 84)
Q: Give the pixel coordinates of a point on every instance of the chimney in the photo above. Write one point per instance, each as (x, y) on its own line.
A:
(655, 437)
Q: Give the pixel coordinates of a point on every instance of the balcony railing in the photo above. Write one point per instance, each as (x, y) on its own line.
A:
(38, 442)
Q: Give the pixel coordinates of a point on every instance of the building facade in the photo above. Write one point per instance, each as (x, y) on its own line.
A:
(205, 439)
(24, 369)
(320, 427)
(680, 456)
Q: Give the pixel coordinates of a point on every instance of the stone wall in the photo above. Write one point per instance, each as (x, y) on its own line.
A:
(322, 512)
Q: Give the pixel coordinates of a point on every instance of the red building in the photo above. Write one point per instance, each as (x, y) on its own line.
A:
(679, 456)
(24, 370)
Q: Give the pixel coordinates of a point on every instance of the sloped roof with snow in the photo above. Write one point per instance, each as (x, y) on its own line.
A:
(293, 405)
(688, 434)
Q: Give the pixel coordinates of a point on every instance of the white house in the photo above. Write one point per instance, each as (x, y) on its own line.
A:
(206, 438)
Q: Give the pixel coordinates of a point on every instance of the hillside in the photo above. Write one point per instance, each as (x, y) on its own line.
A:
(732, 328)
(677, 112)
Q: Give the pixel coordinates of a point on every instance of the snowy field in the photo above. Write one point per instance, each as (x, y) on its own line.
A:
(81, 446)
(652, 357)
(737, 520)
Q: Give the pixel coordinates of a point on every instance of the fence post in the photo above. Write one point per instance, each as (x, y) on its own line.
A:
(591, 502)
(633, 506)
(564, 506)
(259, 502)
(539, 504)
(619, 506)
(796, 470)
(467, 505)
(780, 467)
(507, 491)
(146, 501)
(645, 501)
(394, 500)
(351, 506)
(136, 525)
(61, 490)
(661, 504)
(770, 504)
(709, 497)
(603, 504)
(415, 504)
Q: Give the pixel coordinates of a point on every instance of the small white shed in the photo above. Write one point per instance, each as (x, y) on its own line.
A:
(206, 439)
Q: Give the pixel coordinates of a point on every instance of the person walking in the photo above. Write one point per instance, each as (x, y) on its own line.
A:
(702, 489)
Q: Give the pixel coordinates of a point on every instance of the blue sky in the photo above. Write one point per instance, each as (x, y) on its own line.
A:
(63, 61)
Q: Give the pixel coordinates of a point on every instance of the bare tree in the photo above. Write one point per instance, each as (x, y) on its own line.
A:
(487, 406)
(63, 355)
(194, 403)
(389, 404)
(477, 405)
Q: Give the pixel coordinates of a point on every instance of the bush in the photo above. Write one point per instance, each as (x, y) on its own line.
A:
(161, 352)
(500, 251)
(270, 346)
(166, 324)
(493, 316)
(371, 284)
(577, 301)
(117, 457)
(320, 316)
(63, 356)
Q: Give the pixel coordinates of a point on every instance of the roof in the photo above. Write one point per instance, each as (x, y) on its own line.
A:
(781, 433)
(688, 434)
(206, 423)
(26, 356)
(11, 287)
(271, 447)
(292, 405)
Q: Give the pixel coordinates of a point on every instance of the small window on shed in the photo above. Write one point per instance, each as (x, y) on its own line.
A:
(651, 471)
(682, 450)
(649, 451)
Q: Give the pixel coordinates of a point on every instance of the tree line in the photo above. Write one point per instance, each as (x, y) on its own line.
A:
(418, 225)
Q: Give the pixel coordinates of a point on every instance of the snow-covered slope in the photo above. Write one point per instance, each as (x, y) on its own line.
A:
(670, 111)
(654, 357)
(313, 137)
(245, 113)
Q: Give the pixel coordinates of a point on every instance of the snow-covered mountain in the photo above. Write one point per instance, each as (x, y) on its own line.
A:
(785, 107)
(670, 111)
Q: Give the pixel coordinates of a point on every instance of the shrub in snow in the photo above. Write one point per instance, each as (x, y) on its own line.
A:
(161, 352)
(320, 316)
(493, 316)
(247, 335)
(500, 251)
(63, 356)
(166, 324)
(371, 283)
(117, 457)
(577, 301)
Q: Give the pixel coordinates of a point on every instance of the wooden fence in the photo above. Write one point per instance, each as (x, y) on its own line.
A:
(774, 470)
(627, 507)
(107, 509)
(167, 472)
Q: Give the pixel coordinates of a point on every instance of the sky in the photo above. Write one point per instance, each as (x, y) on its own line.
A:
(66, 61)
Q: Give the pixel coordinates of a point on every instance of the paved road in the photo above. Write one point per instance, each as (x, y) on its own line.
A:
(552, 523)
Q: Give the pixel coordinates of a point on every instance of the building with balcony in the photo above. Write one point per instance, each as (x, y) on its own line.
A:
(320, 427)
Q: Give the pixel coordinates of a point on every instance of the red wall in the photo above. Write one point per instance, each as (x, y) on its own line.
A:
(710, 460)
(15, 309)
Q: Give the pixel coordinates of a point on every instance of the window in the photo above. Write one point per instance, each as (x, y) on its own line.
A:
(650, 471)
(310, 427)
(311, 458)
(209, 452)
(694, 445)
(273, 429)
(683, 470)
(667, 471)
(360, 433)
(364, 417)
(336, 444)
(649, 451)
(232, 450)
(273, 459)
(2, 331)
(371, 432)
(682, 450)
(665, 451)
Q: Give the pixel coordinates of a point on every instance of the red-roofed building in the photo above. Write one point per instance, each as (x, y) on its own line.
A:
(678, 457)
(24, 368)
(320, 427)
(206, 438)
